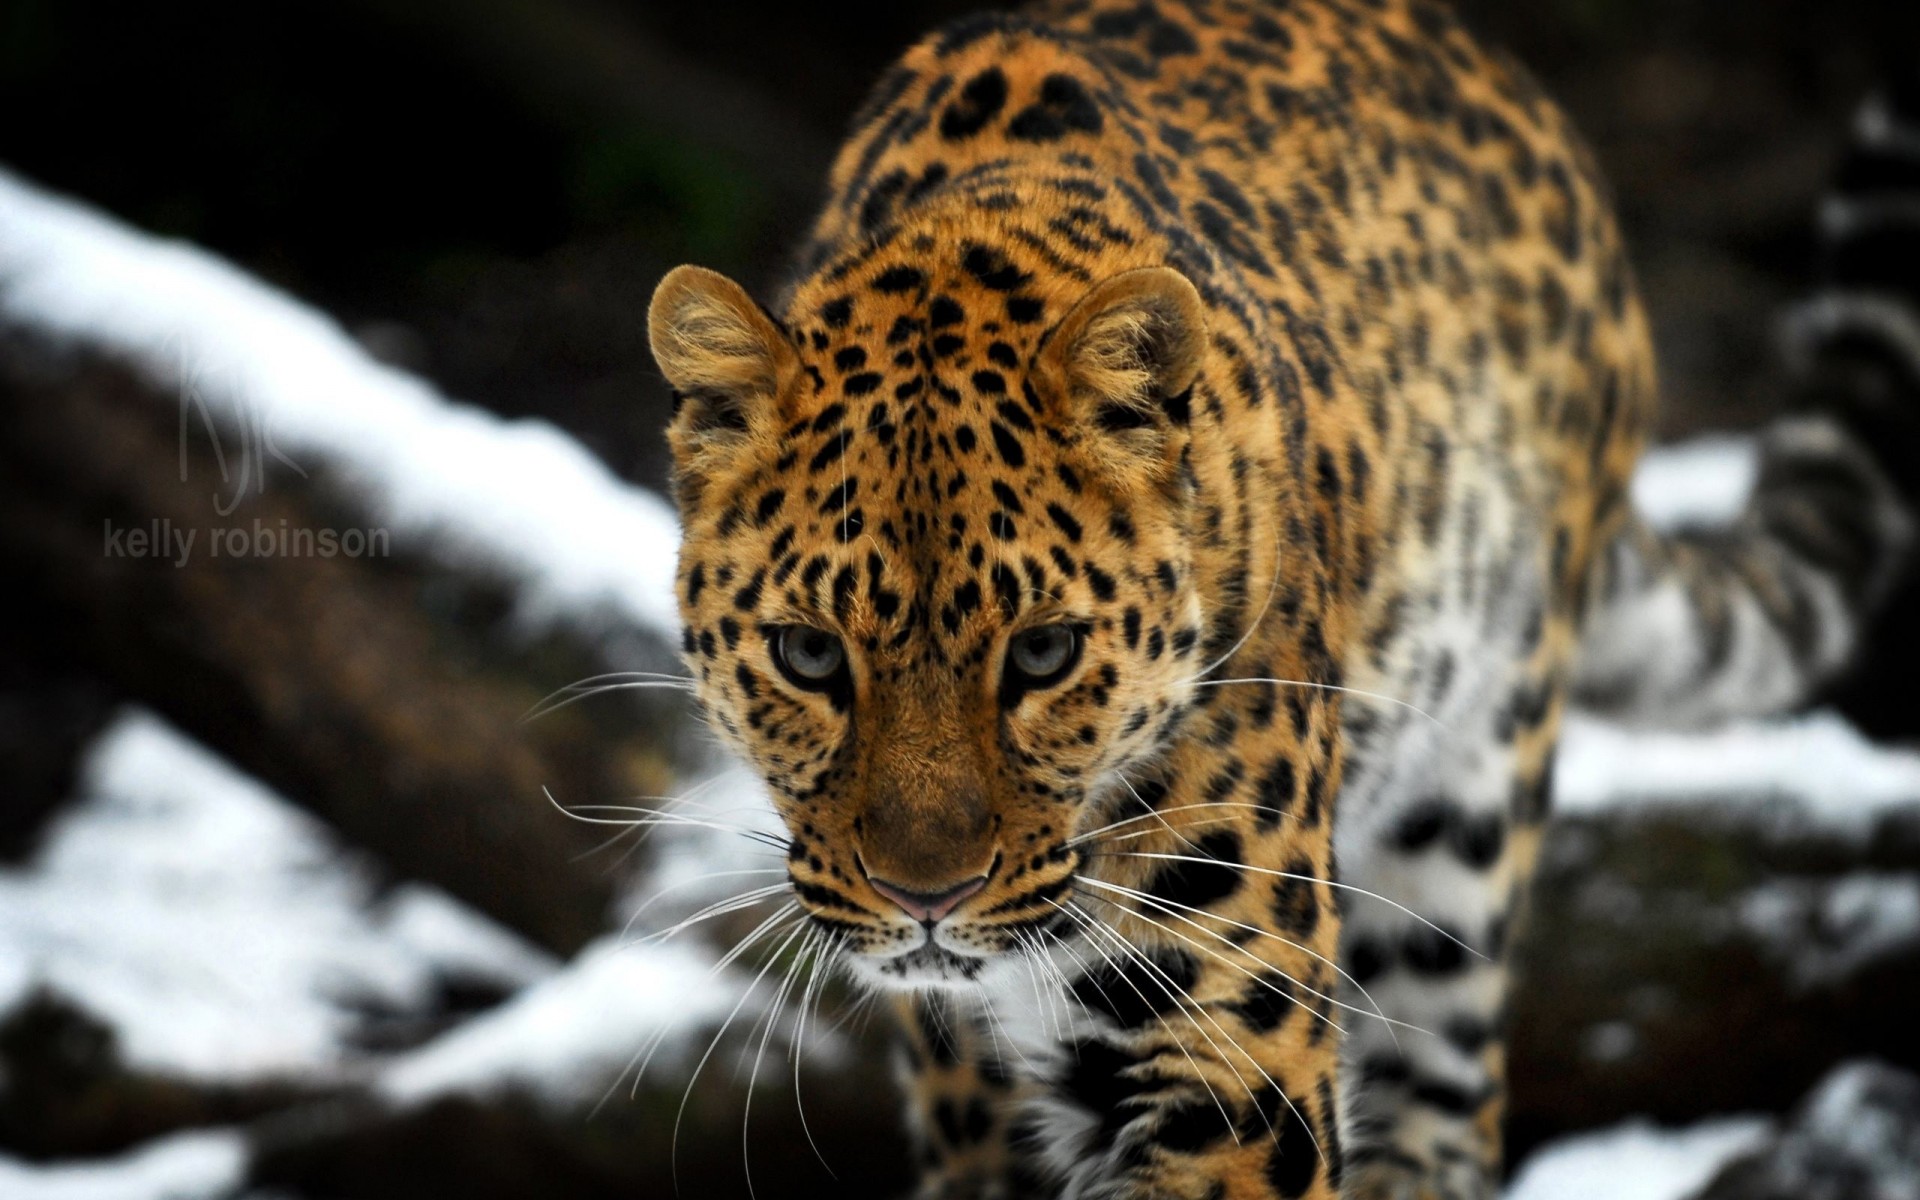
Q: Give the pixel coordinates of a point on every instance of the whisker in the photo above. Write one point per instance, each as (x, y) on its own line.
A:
(1136, 914)
(550, 705)
(684, 798)
(993, 1018)
(1148, 816)
(1273, 587)
(661, 892)
(1334, 687)
(1032, 959)
(1268, 933)
(652, 1046)
(824, 950)
(1156, 813)
(753, 1077)
(673, 1146)
(1345, 887)
(764, 837)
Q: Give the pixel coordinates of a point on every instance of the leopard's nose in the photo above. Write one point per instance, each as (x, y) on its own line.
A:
(928, 907)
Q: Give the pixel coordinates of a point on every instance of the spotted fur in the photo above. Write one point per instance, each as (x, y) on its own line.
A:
(1288, 355)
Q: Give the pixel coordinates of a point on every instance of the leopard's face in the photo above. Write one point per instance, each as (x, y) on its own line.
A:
(936, 578)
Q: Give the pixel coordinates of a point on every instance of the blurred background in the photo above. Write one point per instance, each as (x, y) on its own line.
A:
(294, 902)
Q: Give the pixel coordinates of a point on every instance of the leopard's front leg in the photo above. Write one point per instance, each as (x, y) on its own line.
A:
(959, 1099)
(1202, 1061)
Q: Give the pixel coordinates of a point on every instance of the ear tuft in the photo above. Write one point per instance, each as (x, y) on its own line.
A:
(1131, 349)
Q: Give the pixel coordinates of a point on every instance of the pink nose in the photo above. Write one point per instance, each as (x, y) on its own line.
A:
(928, 907)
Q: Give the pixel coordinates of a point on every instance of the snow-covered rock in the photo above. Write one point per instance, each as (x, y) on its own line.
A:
(203, 1165)
(1857, 1137)
(1636, 1161)
(221, 932)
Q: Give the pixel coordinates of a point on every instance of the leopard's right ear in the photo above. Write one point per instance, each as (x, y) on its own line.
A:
(727, 362)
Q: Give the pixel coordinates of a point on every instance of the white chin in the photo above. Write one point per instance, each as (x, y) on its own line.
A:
(925, 967)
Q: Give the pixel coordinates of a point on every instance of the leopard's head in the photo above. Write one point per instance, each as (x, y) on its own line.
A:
(937, 577)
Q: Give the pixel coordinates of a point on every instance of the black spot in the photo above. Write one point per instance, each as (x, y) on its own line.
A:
(1101, 583)
(1098, 1082)
(1064, 519)
(1430, 951)
(1454, 1101)
(831, 452)
(1268, 1001)
(836, 313)
(1137, 989)
(1295, 1159)
(1011, 452)
(993, 270)
(1364, 960)
(1191, 1126)
(898, 279)
(936, 1031)
(1421, 826)
(1169, 39)
(1296, 910)
(979, 102)
(1276, 792)
(748, 597)
(1209, 870)
(1024, 310)
(1229, 196)
(1478, 840)
(1064, 106)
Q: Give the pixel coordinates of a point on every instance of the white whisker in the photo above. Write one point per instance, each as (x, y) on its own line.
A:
(1333, 687)
(1345, 887)
(1267, 933)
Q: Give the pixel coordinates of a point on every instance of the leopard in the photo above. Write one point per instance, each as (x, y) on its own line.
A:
(1149, 544)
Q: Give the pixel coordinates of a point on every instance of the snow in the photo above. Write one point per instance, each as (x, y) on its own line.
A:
(1636, 1161)
(204, 1165)
(1814, 771)
(1824, 931)
(517, 496)
(1701, 482)
(217, 929)
(569, 1038)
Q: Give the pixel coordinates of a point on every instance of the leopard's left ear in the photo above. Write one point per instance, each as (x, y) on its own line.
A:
(728, 364)
(1127, 355)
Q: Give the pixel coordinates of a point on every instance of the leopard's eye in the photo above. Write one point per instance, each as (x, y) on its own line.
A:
(811, 658)
(1041, 657)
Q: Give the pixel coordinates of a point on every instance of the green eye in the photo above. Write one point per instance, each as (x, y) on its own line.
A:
(1041, 657)
(811, 658)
